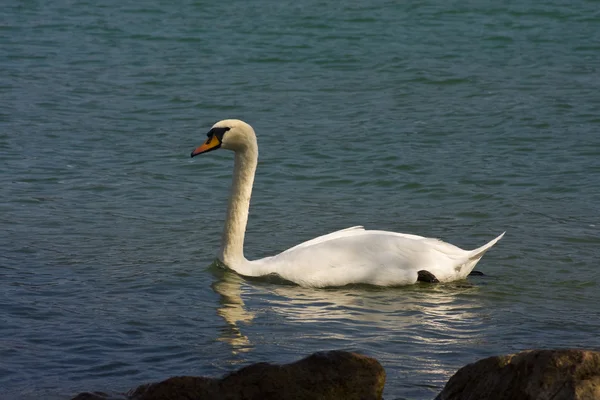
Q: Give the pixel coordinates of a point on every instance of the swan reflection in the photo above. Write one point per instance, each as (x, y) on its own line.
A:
(232, 310)
(427, 314)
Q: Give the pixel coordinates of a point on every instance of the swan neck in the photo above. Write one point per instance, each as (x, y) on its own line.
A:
(232, 247)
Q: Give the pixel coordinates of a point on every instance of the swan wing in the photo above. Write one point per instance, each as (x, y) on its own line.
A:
(333, 235)
(352, 231)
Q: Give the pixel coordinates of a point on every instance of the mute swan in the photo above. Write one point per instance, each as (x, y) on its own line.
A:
(352, 255)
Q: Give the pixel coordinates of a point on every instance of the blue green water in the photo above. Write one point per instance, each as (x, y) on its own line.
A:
(457, 120)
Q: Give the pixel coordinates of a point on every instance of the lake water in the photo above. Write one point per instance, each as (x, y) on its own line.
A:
(457, 120)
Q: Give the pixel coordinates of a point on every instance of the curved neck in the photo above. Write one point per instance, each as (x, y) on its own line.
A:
(232, 243)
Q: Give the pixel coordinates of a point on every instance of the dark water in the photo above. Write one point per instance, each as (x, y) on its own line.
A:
(447, 119)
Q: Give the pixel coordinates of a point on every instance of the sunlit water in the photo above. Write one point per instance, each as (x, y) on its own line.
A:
(451, 120)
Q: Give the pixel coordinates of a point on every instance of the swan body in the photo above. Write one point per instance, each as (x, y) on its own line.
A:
(349, 256)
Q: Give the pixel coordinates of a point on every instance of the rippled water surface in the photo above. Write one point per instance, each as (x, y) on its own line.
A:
(447, 119)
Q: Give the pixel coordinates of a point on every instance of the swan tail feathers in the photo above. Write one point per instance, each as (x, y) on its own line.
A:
(475, 255)
(480, 251)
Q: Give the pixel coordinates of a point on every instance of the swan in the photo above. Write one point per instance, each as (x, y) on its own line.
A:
(348, 256)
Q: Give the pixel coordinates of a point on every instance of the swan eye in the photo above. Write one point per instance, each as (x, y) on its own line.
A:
(218, 132)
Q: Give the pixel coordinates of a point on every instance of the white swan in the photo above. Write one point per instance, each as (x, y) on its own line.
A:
(348, 256)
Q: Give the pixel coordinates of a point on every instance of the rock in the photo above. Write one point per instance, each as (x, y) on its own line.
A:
(324, 375)
(529, 375)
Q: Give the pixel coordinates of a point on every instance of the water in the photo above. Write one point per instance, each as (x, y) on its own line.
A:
(457, 121)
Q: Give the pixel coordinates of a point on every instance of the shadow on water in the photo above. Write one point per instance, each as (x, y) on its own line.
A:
(438, 314)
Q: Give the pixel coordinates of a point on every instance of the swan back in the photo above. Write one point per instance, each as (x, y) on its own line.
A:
(355, 255)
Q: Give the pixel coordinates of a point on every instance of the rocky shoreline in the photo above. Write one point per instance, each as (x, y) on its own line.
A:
(563, 374)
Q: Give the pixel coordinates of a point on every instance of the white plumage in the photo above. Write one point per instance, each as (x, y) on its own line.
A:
(348, 256)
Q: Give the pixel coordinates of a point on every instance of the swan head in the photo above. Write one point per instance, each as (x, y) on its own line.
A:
(229, 134)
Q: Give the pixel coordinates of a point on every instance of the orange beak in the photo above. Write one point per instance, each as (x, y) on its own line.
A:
(212, 143)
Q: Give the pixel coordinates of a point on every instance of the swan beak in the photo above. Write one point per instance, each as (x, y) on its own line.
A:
(212, 143)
